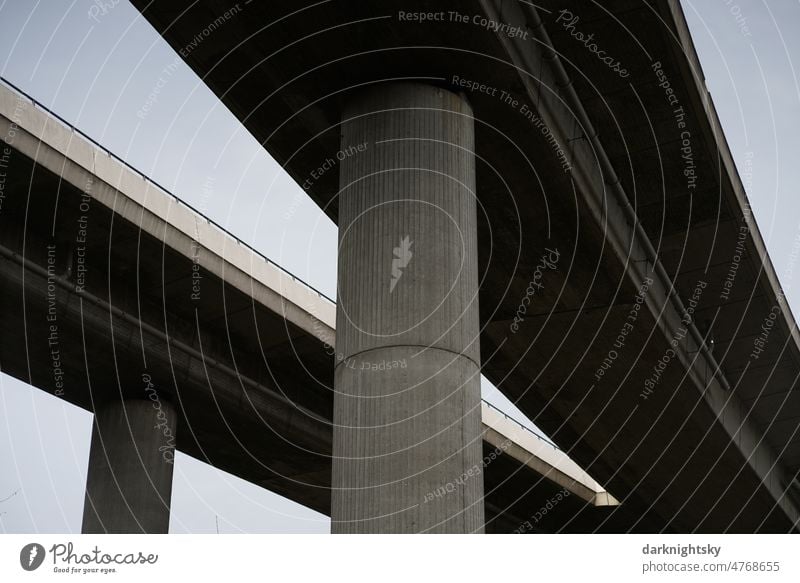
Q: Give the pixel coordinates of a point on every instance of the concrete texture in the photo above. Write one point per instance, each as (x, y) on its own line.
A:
(407, 379)
(545, 458)
(131, 459)
(715, 449)
(252, 423)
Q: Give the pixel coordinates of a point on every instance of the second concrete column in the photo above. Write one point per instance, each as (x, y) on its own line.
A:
(129, 485)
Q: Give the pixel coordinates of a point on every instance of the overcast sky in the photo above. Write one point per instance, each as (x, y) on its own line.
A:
(98, 75)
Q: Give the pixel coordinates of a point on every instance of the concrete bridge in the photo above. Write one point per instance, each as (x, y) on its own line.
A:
(496, 130)
(120, 299)
(509, 203)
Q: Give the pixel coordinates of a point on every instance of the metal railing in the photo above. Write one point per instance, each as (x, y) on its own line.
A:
(211, 222)
(528, 429)
(147, 179)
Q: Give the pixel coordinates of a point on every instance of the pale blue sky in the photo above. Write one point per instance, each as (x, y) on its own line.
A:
(98, 76)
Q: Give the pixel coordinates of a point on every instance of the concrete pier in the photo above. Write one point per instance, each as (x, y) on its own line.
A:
(131, 461)
(406, 440)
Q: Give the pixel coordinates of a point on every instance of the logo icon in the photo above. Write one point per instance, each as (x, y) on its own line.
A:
(31, 556)
(402, 255)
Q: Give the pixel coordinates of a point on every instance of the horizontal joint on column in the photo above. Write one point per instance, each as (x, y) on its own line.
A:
(359, 354)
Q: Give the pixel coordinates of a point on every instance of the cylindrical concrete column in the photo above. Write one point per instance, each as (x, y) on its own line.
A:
(406, 440)
(129, 484)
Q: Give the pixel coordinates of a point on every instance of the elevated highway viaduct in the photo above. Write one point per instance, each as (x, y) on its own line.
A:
(122, 300)
(640, 351)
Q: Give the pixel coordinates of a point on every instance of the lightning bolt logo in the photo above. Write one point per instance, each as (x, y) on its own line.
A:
(31, 556)
(402, 255)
